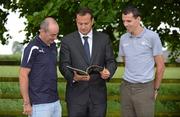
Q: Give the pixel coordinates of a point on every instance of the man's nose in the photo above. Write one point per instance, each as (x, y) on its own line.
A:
(125, 23)
(55, 37)
(83, 26)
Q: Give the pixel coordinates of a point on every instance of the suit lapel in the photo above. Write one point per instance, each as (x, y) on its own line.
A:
(94, 46)
(80, 46)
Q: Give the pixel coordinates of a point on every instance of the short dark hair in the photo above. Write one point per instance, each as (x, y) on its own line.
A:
(132, 9)
(83, 11)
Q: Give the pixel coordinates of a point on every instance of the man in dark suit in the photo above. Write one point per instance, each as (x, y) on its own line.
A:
(86, 95)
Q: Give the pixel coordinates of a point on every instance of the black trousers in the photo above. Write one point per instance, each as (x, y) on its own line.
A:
(87, 110)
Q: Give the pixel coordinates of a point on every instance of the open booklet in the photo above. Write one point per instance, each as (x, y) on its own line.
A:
(89, 70)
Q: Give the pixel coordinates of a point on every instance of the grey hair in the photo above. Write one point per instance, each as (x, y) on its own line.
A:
(45, 23)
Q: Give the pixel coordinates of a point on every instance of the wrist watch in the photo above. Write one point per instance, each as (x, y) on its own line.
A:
(156, 89)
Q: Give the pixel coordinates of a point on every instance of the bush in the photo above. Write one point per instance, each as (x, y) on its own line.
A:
(13, 57)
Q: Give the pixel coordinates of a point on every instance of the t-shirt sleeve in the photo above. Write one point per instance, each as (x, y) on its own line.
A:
(28, 56)
(156, 45)
(121, 52)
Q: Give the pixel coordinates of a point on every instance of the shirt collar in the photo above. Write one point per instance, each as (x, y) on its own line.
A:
(42, 43)
(89, 34)
(138, 36)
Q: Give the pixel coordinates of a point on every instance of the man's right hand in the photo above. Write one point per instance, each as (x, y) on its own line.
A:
(27, 109)
(78, 77)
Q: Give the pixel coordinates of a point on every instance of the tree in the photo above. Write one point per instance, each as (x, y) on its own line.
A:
(107, 16)
(5, 5)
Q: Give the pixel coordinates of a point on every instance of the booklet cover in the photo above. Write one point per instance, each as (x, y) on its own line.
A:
(89, 70)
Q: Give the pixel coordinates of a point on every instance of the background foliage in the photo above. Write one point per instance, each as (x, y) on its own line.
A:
(107, 16)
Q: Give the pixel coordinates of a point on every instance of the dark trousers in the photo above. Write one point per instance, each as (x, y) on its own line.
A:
(87, 110)
(137, 99)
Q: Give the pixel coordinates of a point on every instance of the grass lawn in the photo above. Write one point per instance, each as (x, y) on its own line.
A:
(11, 89)
(13, 71)
(14, 106)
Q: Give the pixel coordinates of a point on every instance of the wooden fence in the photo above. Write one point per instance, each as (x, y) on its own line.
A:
(115, 97)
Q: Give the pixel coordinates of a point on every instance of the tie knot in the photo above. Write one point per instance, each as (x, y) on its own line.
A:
(85, 37)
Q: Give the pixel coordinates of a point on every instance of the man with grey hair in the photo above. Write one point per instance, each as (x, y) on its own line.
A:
(38, 74)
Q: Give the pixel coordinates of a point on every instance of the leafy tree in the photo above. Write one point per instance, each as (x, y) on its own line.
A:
(107, 16)
(5, 5)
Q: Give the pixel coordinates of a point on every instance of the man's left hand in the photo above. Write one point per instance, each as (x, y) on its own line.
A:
(105, 74)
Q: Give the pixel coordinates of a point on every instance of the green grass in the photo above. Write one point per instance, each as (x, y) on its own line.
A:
(14, 57)
(12, 88)
(13, 71)
(172, 72)
(14, 106)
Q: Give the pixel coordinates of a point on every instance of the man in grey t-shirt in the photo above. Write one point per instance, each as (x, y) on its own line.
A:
(141, 50)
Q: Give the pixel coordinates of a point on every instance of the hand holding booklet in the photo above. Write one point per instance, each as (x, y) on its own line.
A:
(89, 70)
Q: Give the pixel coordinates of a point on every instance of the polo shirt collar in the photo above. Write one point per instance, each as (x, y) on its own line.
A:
(41, 42)
(138, 36)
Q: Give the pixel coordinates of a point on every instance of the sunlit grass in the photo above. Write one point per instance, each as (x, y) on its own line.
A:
(12, 89)
(15, 105)
(13, 71)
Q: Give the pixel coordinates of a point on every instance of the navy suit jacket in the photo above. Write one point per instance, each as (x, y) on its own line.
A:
(72, 53)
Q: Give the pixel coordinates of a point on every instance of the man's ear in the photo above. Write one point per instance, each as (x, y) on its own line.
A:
(93, 22)
(41, 30)
(139, 18)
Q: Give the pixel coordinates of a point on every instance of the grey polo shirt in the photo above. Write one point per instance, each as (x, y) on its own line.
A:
(139, 52)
